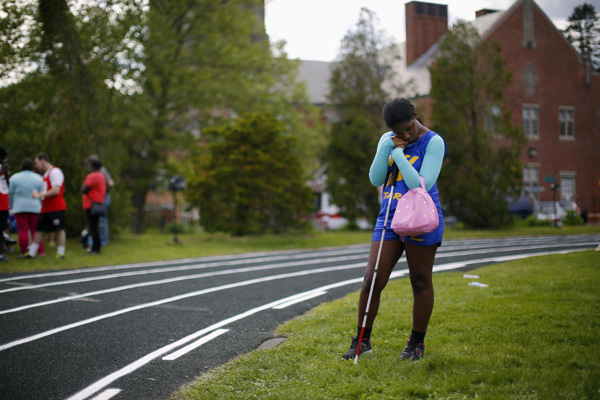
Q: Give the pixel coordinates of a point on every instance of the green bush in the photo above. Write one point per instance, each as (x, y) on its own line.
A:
(180, 228)
(249, 180)
(533, 221)
(573, 218)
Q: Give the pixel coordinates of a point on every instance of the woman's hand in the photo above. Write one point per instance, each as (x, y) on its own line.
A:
(399, 142)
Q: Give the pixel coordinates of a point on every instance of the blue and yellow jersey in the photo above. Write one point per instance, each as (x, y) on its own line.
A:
(415, 154)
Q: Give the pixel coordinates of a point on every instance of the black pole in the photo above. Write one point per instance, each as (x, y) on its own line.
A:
(175, 239)
(555, 211)
(177, 184)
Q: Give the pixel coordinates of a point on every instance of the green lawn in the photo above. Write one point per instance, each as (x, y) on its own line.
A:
(532, 334)
(130, 248)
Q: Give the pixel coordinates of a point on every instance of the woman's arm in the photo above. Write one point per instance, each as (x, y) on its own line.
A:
(379, 166)
(430, 169)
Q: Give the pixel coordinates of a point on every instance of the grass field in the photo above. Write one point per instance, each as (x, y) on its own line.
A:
(532, 334)
(130, 248)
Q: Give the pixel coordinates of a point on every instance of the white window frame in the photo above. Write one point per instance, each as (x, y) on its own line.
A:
(527, 183)
(564, 176)
(536, 107)
(566, 136)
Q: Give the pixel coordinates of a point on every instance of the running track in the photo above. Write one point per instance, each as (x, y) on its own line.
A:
(140, 331)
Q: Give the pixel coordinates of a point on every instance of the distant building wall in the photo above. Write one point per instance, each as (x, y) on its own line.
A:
(548, 76)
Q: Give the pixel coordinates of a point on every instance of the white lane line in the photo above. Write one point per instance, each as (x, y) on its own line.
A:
(239, 284)
(190, 267)
(225, 272)
(299, 300)
(287, 254)
(173, 299)
(195, 345)
(107, 394)
(158, 271)
(100, 384)
(231, 260)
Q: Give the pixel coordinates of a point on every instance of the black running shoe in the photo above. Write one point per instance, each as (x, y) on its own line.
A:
(412, 351)
(365, 347)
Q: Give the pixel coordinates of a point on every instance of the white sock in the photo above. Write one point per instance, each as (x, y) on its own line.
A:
(60, 250)
(33, 248)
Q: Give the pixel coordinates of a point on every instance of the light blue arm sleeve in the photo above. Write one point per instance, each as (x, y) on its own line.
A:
(11, 195)
(379, 166)
(430, 169)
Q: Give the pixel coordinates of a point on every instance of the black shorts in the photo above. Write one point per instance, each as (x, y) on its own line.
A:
(51, 221)
(4, 224)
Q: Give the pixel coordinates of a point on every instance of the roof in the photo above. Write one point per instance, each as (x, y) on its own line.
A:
(486, 23)
(315, 74)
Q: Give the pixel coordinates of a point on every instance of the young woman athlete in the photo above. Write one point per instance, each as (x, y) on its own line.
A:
(417, 151)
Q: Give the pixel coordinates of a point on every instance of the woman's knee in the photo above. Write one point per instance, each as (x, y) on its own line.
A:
(420, 282)
(380, 284)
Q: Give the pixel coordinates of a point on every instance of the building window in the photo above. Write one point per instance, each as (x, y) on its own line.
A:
(531, 179)
(566, 119)
(531, 121)
(419, 8)
(567, 186)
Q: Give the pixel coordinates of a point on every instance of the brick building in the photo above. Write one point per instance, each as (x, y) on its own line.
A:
(554, 94)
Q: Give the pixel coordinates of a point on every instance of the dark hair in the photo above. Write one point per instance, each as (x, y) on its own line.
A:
(96, 164)
(3, 154)
(398, 110)
(43, 156)
(92, 157)
(27, 165)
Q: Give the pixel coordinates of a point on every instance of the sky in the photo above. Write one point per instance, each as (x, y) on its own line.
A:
(313, 29)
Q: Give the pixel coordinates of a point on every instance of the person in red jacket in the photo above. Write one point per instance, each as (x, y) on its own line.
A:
(94, 191)
(52, 215)
(4, 203)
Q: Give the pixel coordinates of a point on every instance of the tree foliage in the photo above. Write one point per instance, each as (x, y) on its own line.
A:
(482, 160)
(136, 82)
(250, 181)
(56, 101)
(583, 32)
(361, 83)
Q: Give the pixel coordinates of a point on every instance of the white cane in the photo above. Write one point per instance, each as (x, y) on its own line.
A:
(387, 214)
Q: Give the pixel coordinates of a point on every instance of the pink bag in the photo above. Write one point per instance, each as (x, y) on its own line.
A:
(416, 213)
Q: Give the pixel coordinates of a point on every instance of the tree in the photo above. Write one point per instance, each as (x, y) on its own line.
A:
(203, 63)
(584, 33)
(361, 82)
(482, 164)
(250, 180)
(135, 82)
(55, 99)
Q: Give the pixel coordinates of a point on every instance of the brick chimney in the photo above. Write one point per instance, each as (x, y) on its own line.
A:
(426, 23)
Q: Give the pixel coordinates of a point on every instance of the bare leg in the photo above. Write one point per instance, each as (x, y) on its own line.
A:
(390, 254)
(61, 238)
(38, 237)
(420, 265)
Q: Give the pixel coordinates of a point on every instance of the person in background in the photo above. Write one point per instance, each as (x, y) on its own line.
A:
(109, 185)
(4, 201)
(25, 208)
(52, 216)
(94, 190)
